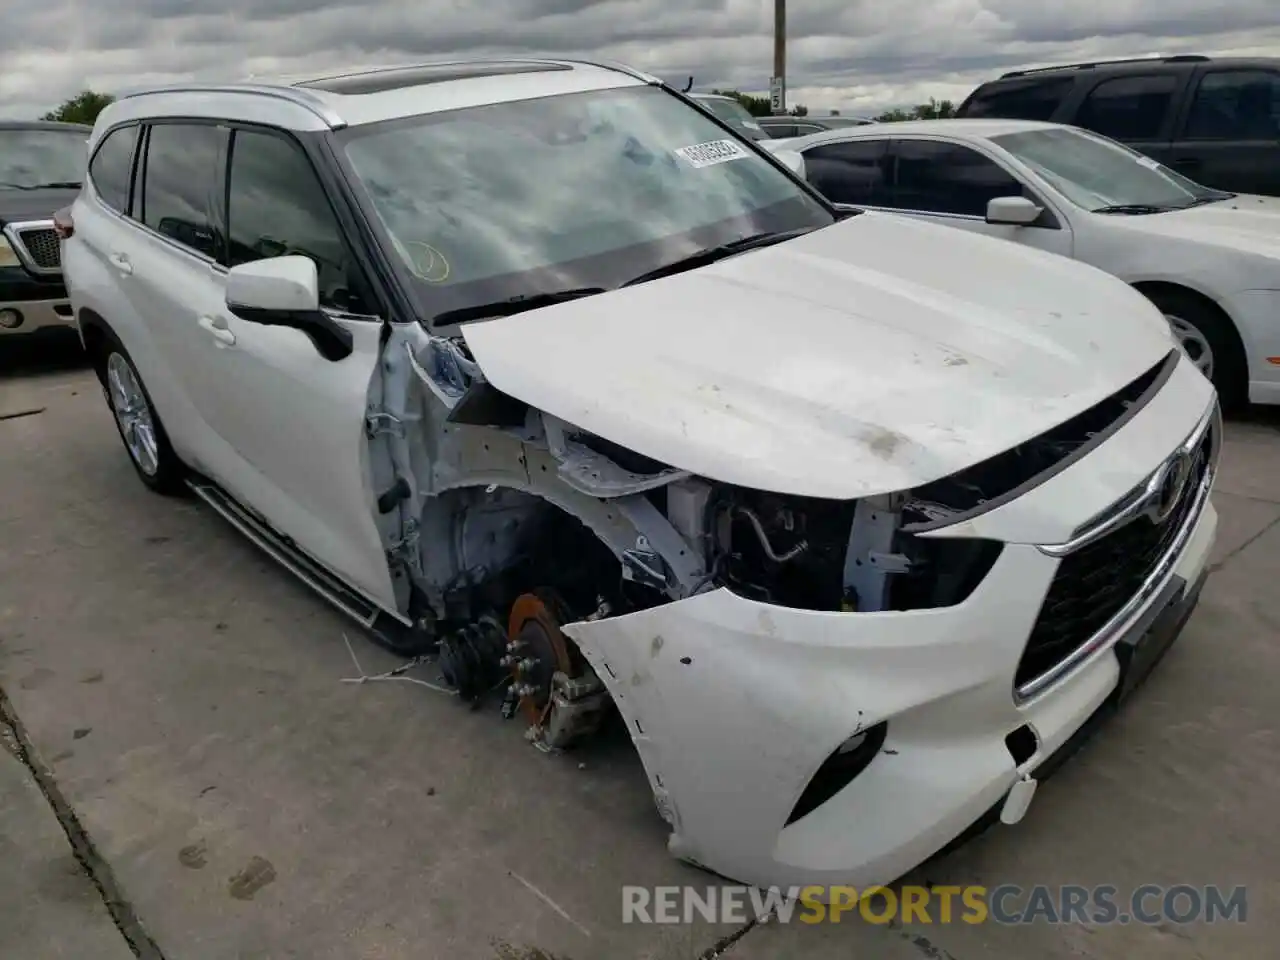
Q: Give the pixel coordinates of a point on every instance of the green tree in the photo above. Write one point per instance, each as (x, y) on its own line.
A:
(759, 106)
(84, 107)
(933, 110)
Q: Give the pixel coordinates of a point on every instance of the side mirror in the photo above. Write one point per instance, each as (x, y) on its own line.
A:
(1013, 211)
(285, 292)
(793, 159)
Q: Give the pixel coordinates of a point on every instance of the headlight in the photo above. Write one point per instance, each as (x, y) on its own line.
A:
(8, 257)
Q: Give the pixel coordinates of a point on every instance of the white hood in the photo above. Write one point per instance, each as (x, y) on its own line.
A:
(1244, 224)
(873, 356)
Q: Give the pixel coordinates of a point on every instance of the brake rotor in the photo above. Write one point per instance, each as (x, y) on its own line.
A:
(538, 649)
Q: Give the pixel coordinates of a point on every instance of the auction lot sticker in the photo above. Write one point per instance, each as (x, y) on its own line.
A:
(712, 152)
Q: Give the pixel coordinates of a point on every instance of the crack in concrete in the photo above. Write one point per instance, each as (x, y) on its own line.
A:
(1215, 567)
(717, 949)
(99, 872)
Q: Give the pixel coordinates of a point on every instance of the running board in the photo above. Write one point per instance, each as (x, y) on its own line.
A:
(287, 555)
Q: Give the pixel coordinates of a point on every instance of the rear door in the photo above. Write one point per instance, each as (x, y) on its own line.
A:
(167, 263)
(1137, 109)
(850, 173)
(1229, 132)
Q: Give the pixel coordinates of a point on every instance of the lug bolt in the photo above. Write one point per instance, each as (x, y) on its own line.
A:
(527, 665)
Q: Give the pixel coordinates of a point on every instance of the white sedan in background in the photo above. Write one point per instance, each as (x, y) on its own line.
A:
(1209, 260)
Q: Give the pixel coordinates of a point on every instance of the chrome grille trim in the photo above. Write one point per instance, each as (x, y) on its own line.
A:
(33, 250)
(1129, 507)
(1106, 636)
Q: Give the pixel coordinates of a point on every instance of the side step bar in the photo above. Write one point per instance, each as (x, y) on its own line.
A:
(287, 555)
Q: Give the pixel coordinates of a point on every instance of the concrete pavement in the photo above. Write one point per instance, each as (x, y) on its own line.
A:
(187, 698)
(49, 908)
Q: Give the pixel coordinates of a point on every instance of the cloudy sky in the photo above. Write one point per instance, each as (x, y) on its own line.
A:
(851, 55)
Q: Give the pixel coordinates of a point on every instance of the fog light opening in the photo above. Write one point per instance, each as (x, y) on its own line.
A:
(10, 319)
(839, 770)
(1022, 744)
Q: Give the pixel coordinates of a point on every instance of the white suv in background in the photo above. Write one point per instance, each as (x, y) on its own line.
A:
(506, 360)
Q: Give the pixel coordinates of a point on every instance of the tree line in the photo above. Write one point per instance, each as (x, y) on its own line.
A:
(933, 110)
(85, 106)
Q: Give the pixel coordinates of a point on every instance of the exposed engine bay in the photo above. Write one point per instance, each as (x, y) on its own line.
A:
(504, 524)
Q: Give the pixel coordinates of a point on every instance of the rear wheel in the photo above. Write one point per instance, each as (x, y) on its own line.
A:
(136, 420)
(1210, 340)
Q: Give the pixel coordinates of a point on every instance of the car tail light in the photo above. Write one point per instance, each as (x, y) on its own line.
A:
(63, 225)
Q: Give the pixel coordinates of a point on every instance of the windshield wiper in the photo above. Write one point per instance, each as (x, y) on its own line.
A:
(1132, 208)
(701, 258)
(1201, 201)
(514, 305)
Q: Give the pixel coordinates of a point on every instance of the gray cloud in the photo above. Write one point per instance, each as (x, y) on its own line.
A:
(847, 54)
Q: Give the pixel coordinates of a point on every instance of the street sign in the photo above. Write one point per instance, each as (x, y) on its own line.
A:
(777, 95)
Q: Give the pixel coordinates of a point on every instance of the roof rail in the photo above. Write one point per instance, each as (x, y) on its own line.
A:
(1178, 58)
(554, 61)
(298, 96)
(614, 65)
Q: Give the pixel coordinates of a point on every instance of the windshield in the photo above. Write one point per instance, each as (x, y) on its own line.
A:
(30, 159)
(1095, 173)
(585, 190)
(736, 115)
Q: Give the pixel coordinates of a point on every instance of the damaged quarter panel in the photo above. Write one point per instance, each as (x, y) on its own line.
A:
(885, 373)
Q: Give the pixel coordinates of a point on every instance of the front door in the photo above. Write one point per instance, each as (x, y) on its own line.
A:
(286, 430)
(951, 183)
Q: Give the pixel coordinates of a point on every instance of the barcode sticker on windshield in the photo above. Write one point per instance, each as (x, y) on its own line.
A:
(711, 152)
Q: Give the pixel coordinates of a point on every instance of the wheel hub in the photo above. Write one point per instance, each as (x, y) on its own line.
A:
(537, 650)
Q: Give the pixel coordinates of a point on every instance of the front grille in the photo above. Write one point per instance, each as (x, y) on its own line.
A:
(41, 245)
(1093, 584)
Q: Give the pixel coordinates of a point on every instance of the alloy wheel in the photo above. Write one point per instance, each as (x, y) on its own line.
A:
(1194, 344)
(133, 413)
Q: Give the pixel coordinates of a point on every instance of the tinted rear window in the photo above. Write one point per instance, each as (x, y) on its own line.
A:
(1018, 99)
(181, 184)
(1128, 108)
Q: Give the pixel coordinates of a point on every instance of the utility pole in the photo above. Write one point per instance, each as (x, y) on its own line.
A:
(778, 84)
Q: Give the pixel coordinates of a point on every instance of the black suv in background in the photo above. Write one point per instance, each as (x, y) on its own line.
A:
(1213, 119)
(41, 167)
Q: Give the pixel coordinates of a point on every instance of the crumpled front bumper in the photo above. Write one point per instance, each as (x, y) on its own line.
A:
(734, 704)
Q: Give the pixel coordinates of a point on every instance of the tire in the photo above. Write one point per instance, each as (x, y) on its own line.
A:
(1211, 340)
(136, 420)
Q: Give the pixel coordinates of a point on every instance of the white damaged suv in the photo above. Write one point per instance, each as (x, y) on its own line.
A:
(856, 522)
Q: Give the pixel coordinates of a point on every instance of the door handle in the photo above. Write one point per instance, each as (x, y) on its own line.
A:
(218, 327)
(122, 263)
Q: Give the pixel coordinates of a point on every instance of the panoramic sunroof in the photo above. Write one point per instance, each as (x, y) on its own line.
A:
(383, 80)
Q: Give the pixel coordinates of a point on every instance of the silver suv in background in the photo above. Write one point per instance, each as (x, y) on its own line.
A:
(733, 113)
